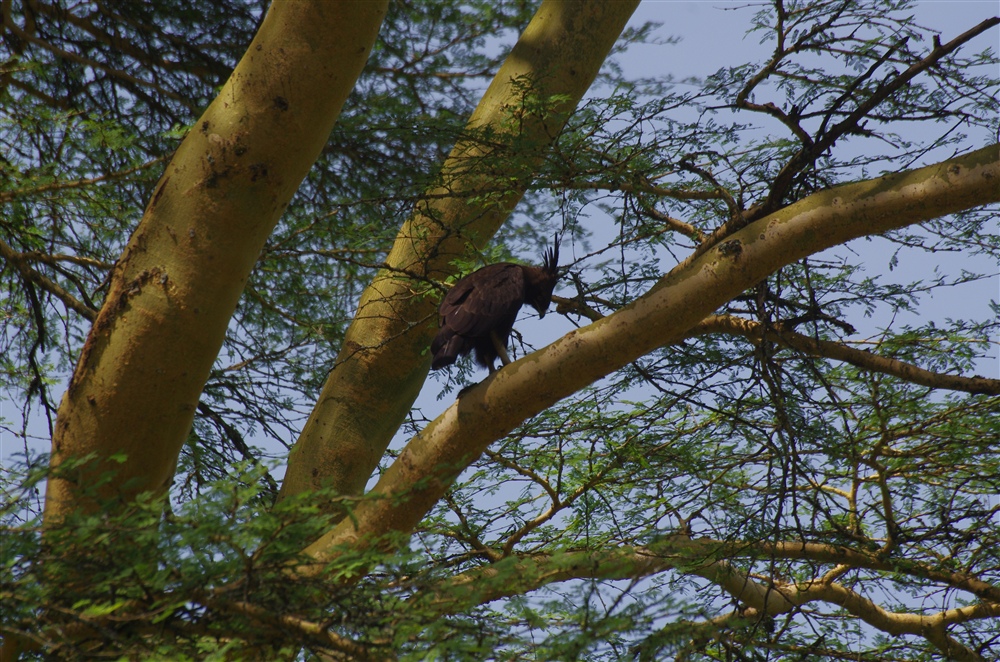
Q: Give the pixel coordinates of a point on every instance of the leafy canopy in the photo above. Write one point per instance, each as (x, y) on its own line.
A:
(636, 517)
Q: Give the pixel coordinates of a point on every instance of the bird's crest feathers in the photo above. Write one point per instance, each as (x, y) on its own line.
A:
(550, 260)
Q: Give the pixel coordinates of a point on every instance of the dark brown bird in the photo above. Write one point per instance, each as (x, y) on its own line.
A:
(478, 313)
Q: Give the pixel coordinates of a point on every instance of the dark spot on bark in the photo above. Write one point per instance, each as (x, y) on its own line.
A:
(280, 103)
(257, 170)
(732, 248)
(135, 288)
(205, 126)
(212, 181)
(159, 191)
(240, 150)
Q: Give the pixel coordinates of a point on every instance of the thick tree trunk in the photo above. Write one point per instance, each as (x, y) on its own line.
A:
(174, 289)
(384, 359)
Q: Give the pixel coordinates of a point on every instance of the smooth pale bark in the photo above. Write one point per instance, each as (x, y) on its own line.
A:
(690, 292)
(384, 359)
(174, 289)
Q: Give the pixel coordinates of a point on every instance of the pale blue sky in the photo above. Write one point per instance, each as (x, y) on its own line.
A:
(711, 36)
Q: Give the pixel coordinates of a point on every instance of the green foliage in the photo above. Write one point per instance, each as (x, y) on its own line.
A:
(572, 532)
(115, 114)
(212, 574)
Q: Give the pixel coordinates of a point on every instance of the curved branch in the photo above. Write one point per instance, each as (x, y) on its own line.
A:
(887, 88)
(20, 262)
(754, 332)
(932, 627)
(519, 574)
(432, 460)
(383, 361)
(7, 196)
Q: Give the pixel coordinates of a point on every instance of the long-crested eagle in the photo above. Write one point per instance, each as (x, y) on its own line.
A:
(478, 312)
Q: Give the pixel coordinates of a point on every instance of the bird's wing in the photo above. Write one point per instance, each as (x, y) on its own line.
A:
(484, 300)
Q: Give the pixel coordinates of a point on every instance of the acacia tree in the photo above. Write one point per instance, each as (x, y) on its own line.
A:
(715, 464)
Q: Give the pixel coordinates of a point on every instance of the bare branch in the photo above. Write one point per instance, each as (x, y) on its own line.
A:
(519, 574)
(886, 89)
(689, 293)
(7, 196)
(812, 150)
(755, 331)
(21, 263)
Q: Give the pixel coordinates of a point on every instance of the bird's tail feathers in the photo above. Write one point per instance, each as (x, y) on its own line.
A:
(446, 349)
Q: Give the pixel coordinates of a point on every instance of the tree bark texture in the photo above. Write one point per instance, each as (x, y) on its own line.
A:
(384, 360)
(693, 290)
(175, 287)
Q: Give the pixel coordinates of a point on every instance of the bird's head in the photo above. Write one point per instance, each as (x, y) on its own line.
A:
(543, 280)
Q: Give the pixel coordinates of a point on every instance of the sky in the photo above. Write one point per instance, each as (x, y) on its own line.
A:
(711, 35)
